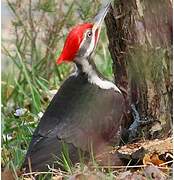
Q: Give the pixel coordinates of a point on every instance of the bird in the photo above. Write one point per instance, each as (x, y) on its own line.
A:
(86, 112)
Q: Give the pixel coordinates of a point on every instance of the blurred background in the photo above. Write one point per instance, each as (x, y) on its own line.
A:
(33, 35)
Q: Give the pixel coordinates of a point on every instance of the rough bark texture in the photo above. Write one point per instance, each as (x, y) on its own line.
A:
(140, 43)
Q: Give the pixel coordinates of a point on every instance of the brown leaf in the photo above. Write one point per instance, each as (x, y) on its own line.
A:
(152, 159)
(7, 174)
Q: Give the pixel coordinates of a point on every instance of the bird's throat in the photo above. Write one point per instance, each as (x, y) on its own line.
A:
(93, 76)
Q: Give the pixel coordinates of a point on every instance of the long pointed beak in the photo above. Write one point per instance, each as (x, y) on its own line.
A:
(99, 18)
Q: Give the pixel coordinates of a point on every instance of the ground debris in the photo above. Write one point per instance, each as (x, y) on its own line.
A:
(128, 175)
(8, 174)
(153, 172)
(90, 176)
(149, 172)
(140, 149)
(57, 177)
(152, 159)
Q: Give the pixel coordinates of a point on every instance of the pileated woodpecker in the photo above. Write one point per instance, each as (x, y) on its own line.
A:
(87, 109)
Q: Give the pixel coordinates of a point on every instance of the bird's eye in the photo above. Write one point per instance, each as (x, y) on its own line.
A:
(89, 34)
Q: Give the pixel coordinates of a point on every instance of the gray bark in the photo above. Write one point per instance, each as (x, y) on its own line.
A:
(140, 43)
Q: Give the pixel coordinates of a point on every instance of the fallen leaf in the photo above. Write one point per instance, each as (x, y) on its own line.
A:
(7, 174)
(152, 159)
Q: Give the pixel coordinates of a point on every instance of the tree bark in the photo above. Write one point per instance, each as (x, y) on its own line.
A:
(140, 43)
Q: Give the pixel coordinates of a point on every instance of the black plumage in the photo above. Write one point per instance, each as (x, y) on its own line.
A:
(80, 114)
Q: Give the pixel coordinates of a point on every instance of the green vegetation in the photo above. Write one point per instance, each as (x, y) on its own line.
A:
(39, 30)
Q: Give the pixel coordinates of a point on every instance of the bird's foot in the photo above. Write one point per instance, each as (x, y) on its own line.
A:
(138, 121)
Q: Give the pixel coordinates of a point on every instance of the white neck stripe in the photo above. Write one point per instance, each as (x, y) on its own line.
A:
(93, 78)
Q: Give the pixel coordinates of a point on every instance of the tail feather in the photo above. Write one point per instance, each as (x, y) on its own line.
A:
(48, 151)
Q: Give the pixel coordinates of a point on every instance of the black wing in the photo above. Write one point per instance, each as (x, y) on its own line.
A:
(78, 113)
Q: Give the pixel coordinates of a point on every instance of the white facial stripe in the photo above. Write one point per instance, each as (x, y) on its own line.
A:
(93, 78)
(92, 43)
(90, 49)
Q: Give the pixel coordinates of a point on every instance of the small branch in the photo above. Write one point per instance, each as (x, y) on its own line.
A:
(125, 167)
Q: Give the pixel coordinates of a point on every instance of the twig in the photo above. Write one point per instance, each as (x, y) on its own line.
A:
(136, 166)
(45, 172)
(38, 173)
(168, 162)
(18, 18)
(53, 171)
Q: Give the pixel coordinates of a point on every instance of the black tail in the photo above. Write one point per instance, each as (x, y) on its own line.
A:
(49, 151)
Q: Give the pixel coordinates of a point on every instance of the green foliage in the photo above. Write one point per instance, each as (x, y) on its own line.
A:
(17, 132)
(67, 164)
(47, 5)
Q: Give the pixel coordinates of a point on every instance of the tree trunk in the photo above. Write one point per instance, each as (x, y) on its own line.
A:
(140, 43)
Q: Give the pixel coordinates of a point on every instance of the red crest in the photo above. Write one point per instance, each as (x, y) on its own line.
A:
(73, 42)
